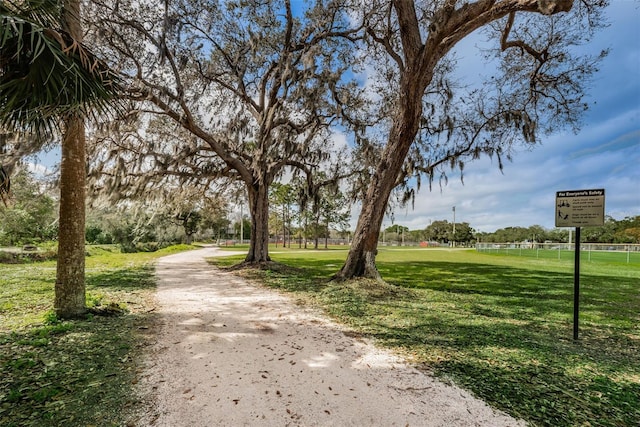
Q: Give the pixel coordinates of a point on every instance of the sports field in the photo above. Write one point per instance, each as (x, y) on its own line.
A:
(501, 326)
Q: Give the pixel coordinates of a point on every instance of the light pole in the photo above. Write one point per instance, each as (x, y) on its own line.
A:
(241, 225)
(453, 238)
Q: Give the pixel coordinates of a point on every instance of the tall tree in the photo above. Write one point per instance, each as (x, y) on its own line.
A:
(283, 196)
(70, 296)
(332, 210)
(256, 85)
(46, 76)
(438, 231)
(538, 87)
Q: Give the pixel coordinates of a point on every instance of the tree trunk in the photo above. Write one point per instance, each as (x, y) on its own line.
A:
(284, 228)
(316, 233)
(259, 209)
(306, 229)
(288, 227)
(69, 301)
(364, 246)
(70, 284)
(326, 237)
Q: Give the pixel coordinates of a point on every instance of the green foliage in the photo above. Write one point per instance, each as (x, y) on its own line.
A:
(30, 217)
(44, 72)
(190, 221)
(501, 327)
(396, 228)
(132, 230)
(613, 231)
(438, 231)
(94, 234)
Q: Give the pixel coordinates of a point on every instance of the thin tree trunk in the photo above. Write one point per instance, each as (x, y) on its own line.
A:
(259, 209)
(300, 230)
(306, 230)
(69, 301)
(316, 234)
(288, 227)
(326, 237)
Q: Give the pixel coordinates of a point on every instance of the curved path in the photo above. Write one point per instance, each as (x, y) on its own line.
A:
(229, 353)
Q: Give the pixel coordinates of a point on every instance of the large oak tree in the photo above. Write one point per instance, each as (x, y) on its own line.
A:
(255, 83)
(537, 87)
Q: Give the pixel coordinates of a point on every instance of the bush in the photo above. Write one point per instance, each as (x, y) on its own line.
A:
(15, 257)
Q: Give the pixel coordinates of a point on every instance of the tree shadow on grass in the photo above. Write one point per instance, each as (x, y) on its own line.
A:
(71, 372)
(522, 293)
(123, 279)
(506, 334)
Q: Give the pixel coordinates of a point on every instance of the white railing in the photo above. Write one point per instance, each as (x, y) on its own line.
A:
(608, 252)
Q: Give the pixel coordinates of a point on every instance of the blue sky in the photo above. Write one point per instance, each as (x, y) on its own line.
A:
(604, 154)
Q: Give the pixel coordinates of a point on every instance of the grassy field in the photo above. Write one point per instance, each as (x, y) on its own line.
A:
(501, 326)
(81, 372)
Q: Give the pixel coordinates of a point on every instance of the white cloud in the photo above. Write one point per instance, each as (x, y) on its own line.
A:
(38, 169)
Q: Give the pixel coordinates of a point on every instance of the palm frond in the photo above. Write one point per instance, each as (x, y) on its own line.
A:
(44, 72)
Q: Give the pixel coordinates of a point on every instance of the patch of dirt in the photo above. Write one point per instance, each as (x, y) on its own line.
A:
(231, 353)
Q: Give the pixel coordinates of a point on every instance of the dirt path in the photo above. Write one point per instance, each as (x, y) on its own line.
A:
(229, 353)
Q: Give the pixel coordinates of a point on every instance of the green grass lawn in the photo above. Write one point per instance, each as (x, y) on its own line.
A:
(80, 372)
(501, 326)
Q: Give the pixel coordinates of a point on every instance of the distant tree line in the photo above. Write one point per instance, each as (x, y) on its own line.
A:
(30, 217)
(297, 215)
(626, 230)
(441, 232)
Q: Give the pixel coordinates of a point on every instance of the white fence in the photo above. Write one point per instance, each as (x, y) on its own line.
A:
(605, 252)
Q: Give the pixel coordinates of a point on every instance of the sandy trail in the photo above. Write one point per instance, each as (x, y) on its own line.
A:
(229, 353)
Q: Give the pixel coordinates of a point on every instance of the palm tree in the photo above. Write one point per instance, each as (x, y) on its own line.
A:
(46, 72)
(49, 82)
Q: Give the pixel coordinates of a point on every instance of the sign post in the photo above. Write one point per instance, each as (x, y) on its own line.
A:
(579, 208)
(576, 285)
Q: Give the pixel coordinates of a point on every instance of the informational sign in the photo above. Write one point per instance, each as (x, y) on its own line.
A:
(580, 208)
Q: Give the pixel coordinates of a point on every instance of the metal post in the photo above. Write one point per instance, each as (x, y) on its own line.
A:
(576, 285)
(453, 238)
